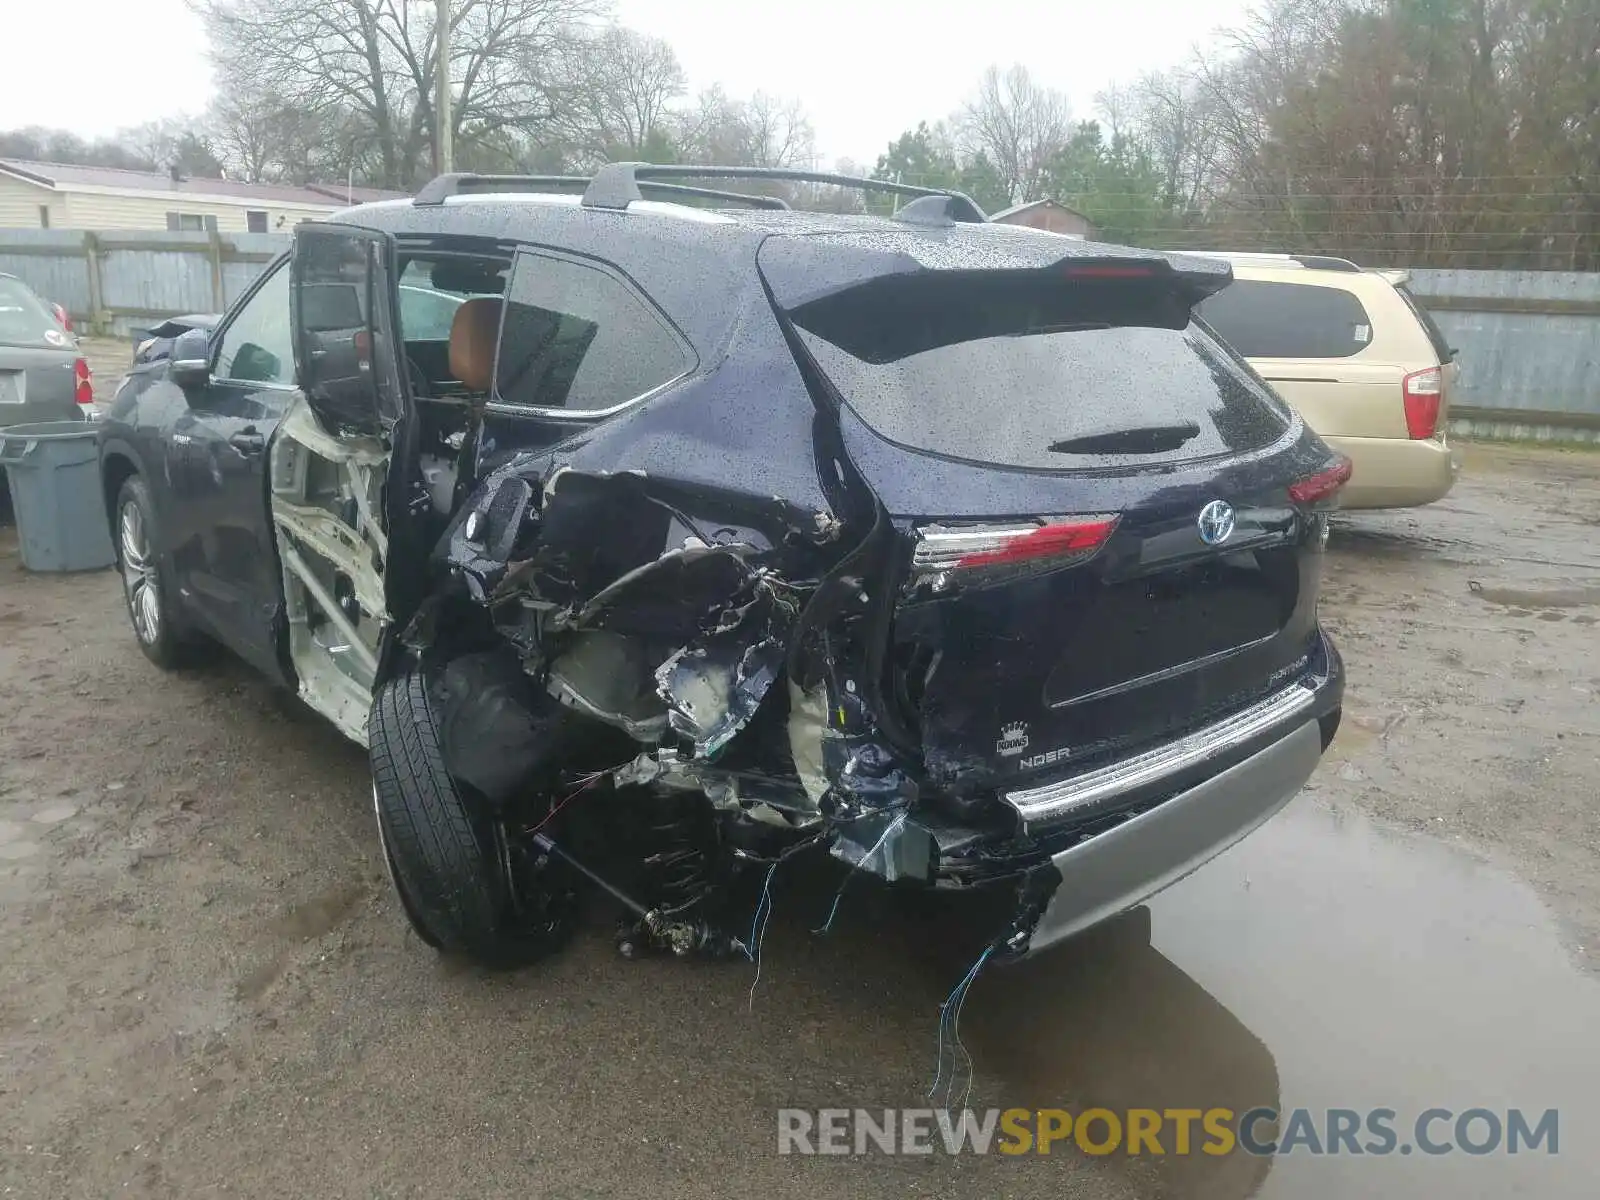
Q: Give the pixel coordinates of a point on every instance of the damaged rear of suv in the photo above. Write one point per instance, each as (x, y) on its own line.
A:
(960, 552)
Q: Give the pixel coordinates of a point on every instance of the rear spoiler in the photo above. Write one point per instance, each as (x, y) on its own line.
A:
(804, 269)
(1193, 278)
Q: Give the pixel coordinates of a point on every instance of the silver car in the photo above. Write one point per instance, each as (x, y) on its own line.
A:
(43, 374)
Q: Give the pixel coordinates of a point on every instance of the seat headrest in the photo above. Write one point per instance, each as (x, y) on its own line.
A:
(472, 338)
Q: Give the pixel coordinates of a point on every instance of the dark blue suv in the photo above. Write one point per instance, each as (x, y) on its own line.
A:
(649, 534)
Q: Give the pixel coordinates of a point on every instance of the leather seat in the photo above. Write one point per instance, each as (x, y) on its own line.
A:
(473, 333)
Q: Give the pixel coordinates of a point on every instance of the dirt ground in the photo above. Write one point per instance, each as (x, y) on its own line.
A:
(206, 986)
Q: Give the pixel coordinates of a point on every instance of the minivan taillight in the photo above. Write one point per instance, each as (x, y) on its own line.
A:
(1042, 546)
(1323, 484)
(83, 382)
(1423, 390)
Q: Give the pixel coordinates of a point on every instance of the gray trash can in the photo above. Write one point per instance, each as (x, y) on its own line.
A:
(53, 471)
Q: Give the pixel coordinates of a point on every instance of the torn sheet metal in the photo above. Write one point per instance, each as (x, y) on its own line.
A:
(671, 595)
(714, 685)
(606, 676)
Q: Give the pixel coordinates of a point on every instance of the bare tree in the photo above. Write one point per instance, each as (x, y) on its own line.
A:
(761, 132)
(245, 131)
(1171, 117)
(1017, 125)
(375, 59)
(613, 100)
(177, 143)
(779, 133)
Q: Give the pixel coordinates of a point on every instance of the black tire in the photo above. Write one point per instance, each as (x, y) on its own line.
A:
(443, 850)
(413, 917)
(153, 609)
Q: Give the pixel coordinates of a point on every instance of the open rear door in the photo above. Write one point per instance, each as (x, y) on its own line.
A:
(345, 319)
(330, 464)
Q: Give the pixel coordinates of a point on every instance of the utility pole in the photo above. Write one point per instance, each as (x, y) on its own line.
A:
(443, 122)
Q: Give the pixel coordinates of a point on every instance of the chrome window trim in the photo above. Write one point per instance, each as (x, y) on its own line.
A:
(505, 408)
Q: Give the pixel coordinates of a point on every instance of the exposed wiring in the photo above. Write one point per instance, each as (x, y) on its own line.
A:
(587, 783)
(950, 1015)
(956, 1027)
(758, 931)
(763, 913)
(858, 866)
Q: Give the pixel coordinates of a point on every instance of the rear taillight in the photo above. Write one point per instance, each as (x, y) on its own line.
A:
(83, 381)
(1423, 391)
(1323, 484)
(990, 548)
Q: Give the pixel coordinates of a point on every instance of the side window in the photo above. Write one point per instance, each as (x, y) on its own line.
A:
(426, 315)
(1288, 320)
(1436, 338)
(257, 346)
(580, 338)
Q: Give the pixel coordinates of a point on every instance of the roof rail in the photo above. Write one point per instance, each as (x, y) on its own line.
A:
(442, 187)
(1310, 262)
(616, 185)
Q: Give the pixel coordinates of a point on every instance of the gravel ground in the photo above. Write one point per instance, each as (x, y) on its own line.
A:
(206, 986)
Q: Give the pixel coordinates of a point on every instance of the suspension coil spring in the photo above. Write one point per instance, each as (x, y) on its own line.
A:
(679, 867)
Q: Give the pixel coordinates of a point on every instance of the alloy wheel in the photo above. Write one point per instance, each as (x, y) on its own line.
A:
(139, 574)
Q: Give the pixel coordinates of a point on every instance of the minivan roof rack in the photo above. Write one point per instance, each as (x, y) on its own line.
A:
(1310, 262)
(616, 185)
(1324, 262)
(442, 187)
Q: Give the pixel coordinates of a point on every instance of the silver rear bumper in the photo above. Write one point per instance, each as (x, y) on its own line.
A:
(1117, 869)
(1056, 801)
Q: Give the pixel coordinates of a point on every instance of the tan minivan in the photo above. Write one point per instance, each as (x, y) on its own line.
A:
(1359, 358)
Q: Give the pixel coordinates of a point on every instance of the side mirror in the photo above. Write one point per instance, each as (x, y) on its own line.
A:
(189, 364)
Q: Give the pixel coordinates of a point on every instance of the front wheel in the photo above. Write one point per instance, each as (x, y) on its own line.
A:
(464, 889)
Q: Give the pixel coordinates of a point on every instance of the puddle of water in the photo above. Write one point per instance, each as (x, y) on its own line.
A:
(1572, 597)
(1322, 963)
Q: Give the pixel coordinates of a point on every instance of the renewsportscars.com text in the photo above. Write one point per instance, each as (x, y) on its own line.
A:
(1170, 1131)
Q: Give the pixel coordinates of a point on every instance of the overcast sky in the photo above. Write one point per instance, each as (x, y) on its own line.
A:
(865, 69)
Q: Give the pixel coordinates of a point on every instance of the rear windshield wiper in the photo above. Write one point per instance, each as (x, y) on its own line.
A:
(1138, 439)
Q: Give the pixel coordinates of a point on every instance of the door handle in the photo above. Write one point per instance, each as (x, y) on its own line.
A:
(248, 442)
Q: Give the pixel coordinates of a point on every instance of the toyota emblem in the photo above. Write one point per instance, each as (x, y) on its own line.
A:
(1216, 522)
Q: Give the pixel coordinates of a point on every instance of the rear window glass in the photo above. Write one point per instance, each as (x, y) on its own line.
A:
(1288, 320)
(1036, 374)
(578, 337)
(24, 320)
(1436, 338)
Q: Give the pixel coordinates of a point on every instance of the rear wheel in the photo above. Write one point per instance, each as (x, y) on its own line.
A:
(156, 621)
(463, 887)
